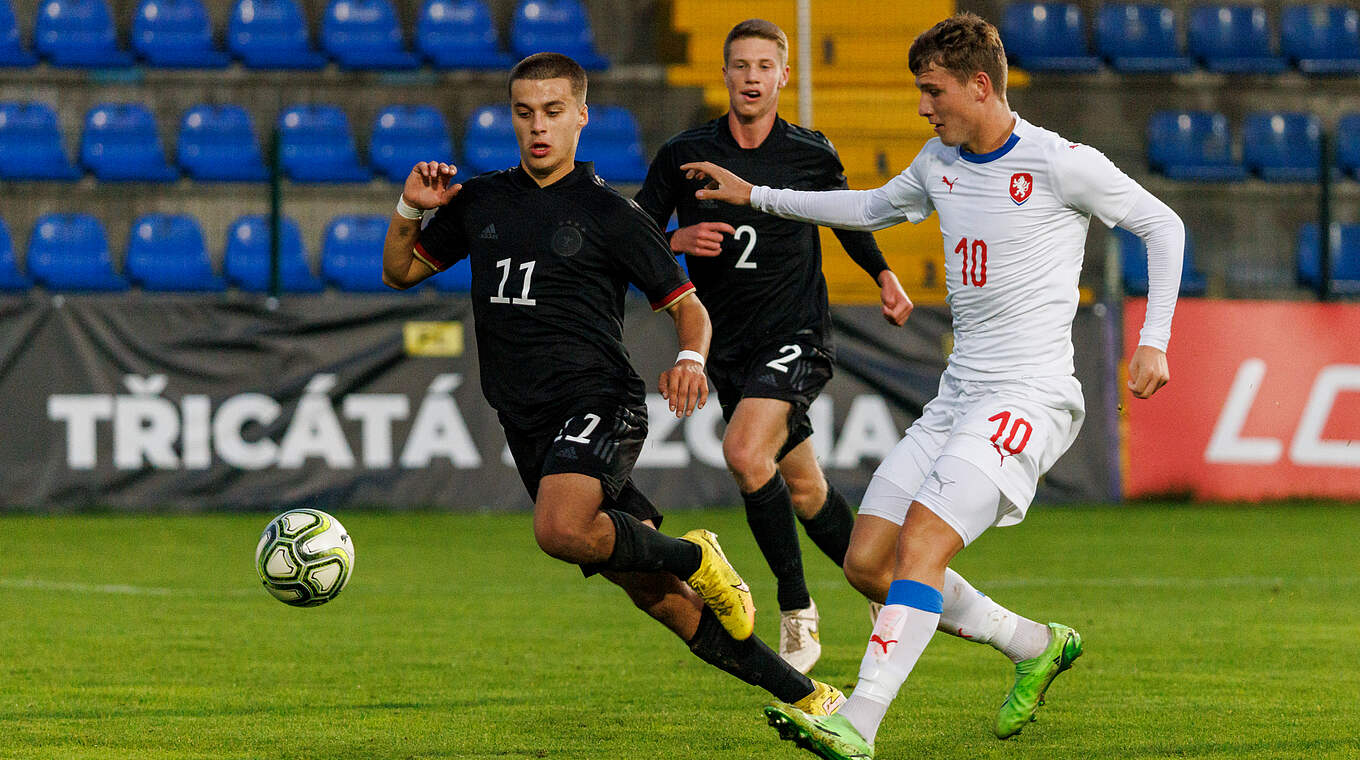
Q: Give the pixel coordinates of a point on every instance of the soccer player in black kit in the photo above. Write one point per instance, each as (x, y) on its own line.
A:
(553, 249)
(761, 278)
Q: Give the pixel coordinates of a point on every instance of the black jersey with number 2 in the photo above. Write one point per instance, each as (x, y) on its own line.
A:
(550, 268)
(767, 284)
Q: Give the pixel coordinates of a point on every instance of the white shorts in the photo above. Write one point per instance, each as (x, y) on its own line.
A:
(1011, 430)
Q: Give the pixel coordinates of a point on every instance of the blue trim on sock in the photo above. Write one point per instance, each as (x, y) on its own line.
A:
(917, 595)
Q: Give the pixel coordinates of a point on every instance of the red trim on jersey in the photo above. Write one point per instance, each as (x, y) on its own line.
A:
(426, 259)
(672, 297)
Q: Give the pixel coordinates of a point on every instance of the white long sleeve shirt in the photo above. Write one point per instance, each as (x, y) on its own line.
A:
(1013, 224)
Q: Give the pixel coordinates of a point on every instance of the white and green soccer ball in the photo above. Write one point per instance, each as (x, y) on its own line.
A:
(305, 557)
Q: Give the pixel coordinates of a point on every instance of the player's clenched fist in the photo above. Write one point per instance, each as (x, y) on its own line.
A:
(1148, 371)
(685, 386)
(702, 239)
(429, 185)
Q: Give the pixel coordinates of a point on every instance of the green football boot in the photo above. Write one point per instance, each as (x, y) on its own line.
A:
(1032, 678)
(827, 736)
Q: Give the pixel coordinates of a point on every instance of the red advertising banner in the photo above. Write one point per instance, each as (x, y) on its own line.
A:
(1263, 403)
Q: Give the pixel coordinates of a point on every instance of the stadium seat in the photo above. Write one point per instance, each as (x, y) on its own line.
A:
(1047, 37)
(1233, 39)
(351, 255)
(316, 145)
(1348, 145)
(1321, 39)
(365, 34)
(78, 33)
(1345, 256)
(1134, 265)
(71, 252)
(11, 278)
(271, 34)
(489, 140)
(1192, 145)
(456, 34)
(1281, 147)
(406, 135)
(1140, 38)
(31, 145)
(165, 252)
(613, 141)
(121, 144)
(246, 258)
(217, 144)
(12, 52)
(455, 279)
(175, 33)
(559, 26)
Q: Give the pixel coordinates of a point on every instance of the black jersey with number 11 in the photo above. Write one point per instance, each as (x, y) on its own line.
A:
(550, 267)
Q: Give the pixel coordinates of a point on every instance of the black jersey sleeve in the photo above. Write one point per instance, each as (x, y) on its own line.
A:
(861, 246)
(657, 195)
(441, 240)
(646, 259)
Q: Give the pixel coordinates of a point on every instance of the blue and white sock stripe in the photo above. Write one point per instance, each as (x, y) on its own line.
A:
(916, 595)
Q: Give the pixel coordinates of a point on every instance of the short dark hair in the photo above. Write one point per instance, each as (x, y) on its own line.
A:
(552, 66)
(757, 27)
(963, 45)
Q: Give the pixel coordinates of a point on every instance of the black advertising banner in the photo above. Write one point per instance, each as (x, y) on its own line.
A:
(148, 402)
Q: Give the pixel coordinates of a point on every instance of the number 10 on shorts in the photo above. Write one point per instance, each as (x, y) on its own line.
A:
(1020, 431)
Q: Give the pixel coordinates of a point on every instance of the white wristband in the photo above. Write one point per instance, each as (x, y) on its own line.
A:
(407, 211)
(693, 356)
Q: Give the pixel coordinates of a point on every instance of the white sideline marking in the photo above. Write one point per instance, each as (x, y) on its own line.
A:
(110, 588)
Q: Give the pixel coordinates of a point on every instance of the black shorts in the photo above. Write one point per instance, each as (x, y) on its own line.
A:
(793, 370)
(597, 437)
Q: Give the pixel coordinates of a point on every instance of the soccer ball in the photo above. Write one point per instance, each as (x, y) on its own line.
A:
(304, 557)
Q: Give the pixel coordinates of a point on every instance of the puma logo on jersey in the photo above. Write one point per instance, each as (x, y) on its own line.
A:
(489, 233)
(949, 182)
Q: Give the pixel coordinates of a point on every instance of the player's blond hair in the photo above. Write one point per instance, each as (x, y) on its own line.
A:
(761, 29)
(962, 45)
(552, 66)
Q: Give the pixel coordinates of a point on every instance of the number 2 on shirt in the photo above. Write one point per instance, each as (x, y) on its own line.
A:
(523, 298)
(744, 261)
(974, 261)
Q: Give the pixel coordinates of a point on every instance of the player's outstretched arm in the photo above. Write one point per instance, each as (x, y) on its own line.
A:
(722, 185)
(1148, 371)
(685, 386)
(428, 186)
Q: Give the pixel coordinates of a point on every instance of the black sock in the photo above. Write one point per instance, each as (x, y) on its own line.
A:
(769, 512)
(830, 528)
(750, 660)
(638, 548)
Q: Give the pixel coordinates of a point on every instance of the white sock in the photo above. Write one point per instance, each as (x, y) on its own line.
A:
(899, 637)
(971, 614)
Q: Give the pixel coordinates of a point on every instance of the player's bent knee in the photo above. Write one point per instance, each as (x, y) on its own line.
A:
(751, 467)
(560, 540)
(867, 574)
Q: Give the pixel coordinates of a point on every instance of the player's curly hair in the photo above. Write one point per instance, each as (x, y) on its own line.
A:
(963, 45)
(761, 29)
(552, 66)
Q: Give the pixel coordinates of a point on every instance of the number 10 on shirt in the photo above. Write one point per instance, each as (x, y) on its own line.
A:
(974, 267)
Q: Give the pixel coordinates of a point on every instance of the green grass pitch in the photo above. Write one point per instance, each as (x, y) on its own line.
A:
(1211, 632)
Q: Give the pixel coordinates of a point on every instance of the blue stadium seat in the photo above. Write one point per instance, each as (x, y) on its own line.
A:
(351, 256)
(457, 34)
(271, 34)
(78, 33)
(121, 144)
(455, 279)
(1321, 39)
(71, 252)
(1192, 145)
(1345, 255)
(406, 135)
(12, 52)
(11, 278)
(165, 252)
(559, 26)
(1140, 38)
(1134, 265)
(613, 141)
(365, 34)
(316, 145)
(217, 144)
(1047, 37)
(176, 33)
(489, 140)
(1348, 145)
(1281, 147)
(31, 145)
(246, 258)
(1233, 39)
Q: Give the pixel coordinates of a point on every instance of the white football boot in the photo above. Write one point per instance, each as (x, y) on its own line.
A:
(800, 640)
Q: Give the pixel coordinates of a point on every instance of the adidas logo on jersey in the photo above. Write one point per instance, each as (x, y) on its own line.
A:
(565, 453)
(489, 233)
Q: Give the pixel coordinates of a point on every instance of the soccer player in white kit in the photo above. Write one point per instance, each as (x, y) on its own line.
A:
(1014, 202)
